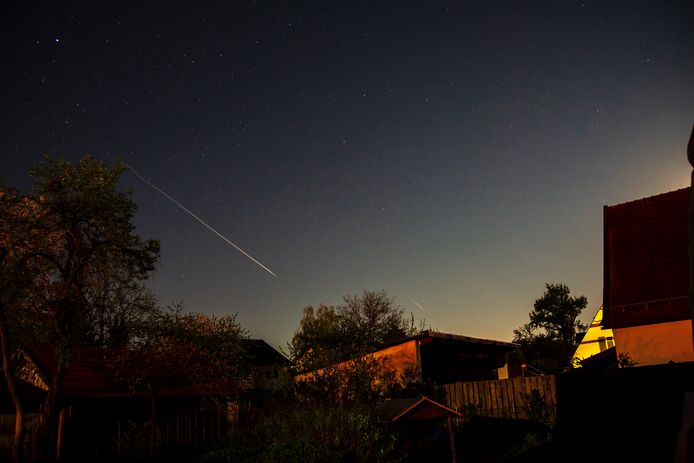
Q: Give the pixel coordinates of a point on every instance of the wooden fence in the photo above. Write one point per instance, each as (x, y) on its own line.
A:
(506, 398)
(194, 428)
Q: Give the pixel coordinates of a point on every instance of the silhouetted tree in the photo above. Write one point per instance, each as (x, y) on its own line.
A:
(550, 336)
(364, 323)
(318, 341)
(204, 350)
(75, 235)
(20, 276)
(371, 320)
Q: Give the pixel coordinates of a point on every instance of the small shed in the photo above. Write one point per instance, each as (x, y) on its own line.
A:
(413, 409)
(425, 420)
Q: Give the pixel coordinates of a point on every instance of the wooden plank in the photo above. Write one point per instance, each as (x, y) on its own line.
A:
(487, 397)
(459, 397)
(469, 396)
(493, 402)
(474, 397)
(504, 385)
(500, 410)
(518, 398)
(514, 393)
(503, 394)
(553, 396)
(479, 398)
(512, 399)
(531, 386)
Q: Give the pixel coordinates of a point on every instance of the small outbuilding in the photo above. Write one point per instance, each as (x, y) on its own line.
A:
(425, 423)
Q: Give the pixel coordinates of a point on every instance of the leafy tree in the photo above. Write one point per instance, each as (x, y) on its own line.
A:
(550, 336)
(19, 276)
(206, 351)
(119, 311)
(318, 341)
(362, 382)
(361, 325)
(75, 236)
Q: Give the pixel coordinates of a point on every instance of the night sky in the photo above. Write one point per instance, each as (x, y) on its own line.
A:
(458, 153)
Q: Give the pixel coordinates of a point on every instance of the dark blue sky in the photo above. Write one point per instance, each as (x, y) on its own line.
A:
(458, 152)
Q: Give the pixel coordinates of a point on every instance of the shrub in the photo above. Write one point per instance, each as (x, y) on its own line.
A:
(335, 434)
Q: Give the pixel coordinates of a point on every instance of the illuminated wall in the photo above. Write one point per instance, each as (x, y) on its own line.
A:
(399, 358)
(656, 343)
(596, 340)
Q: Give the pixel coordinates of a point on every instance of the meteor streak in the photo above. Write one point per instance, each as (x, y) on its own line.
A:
(192, 214)
(416, 303)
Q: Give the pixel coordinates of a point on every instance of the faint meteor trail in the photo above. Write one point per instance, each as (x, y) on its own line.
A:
(192, 214)
(416, 303)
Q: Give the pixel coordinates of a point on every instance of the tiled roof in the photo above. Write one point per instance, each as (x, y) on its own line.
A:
(87, 373)
(90, 373)
(645, 260)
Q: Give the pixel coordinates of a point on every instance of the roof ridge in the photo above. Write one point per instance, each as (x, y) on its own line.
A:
(647, 198)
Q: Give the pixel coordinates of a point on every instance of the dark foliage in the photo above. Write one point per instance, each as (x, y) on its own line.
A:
(361, 325)
(549, 339)
(74, 265)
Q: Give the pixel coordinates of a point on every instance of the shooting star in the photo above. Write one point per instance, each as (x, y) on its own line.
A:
(192, 214)
(416, 303)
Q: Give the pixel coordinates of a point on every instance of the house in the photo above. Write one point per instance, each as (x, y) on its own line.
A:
(447, 358)
(646, 278)
(597, 339)
(269, 368)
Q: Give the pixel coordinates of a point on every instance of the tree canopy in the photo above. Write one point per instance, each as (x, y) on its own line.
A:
(77, 232)
(205, 349)
(549, 338)
(72, 273)
(72, 270)
(361, 325)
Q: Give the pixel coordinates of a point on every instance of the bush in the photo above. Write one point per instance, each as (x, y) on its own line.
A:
(333, 434)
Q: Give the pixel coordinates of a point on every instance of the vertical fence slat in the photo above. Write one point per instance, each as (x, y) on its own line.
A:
(493, 402)
(503, 395)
